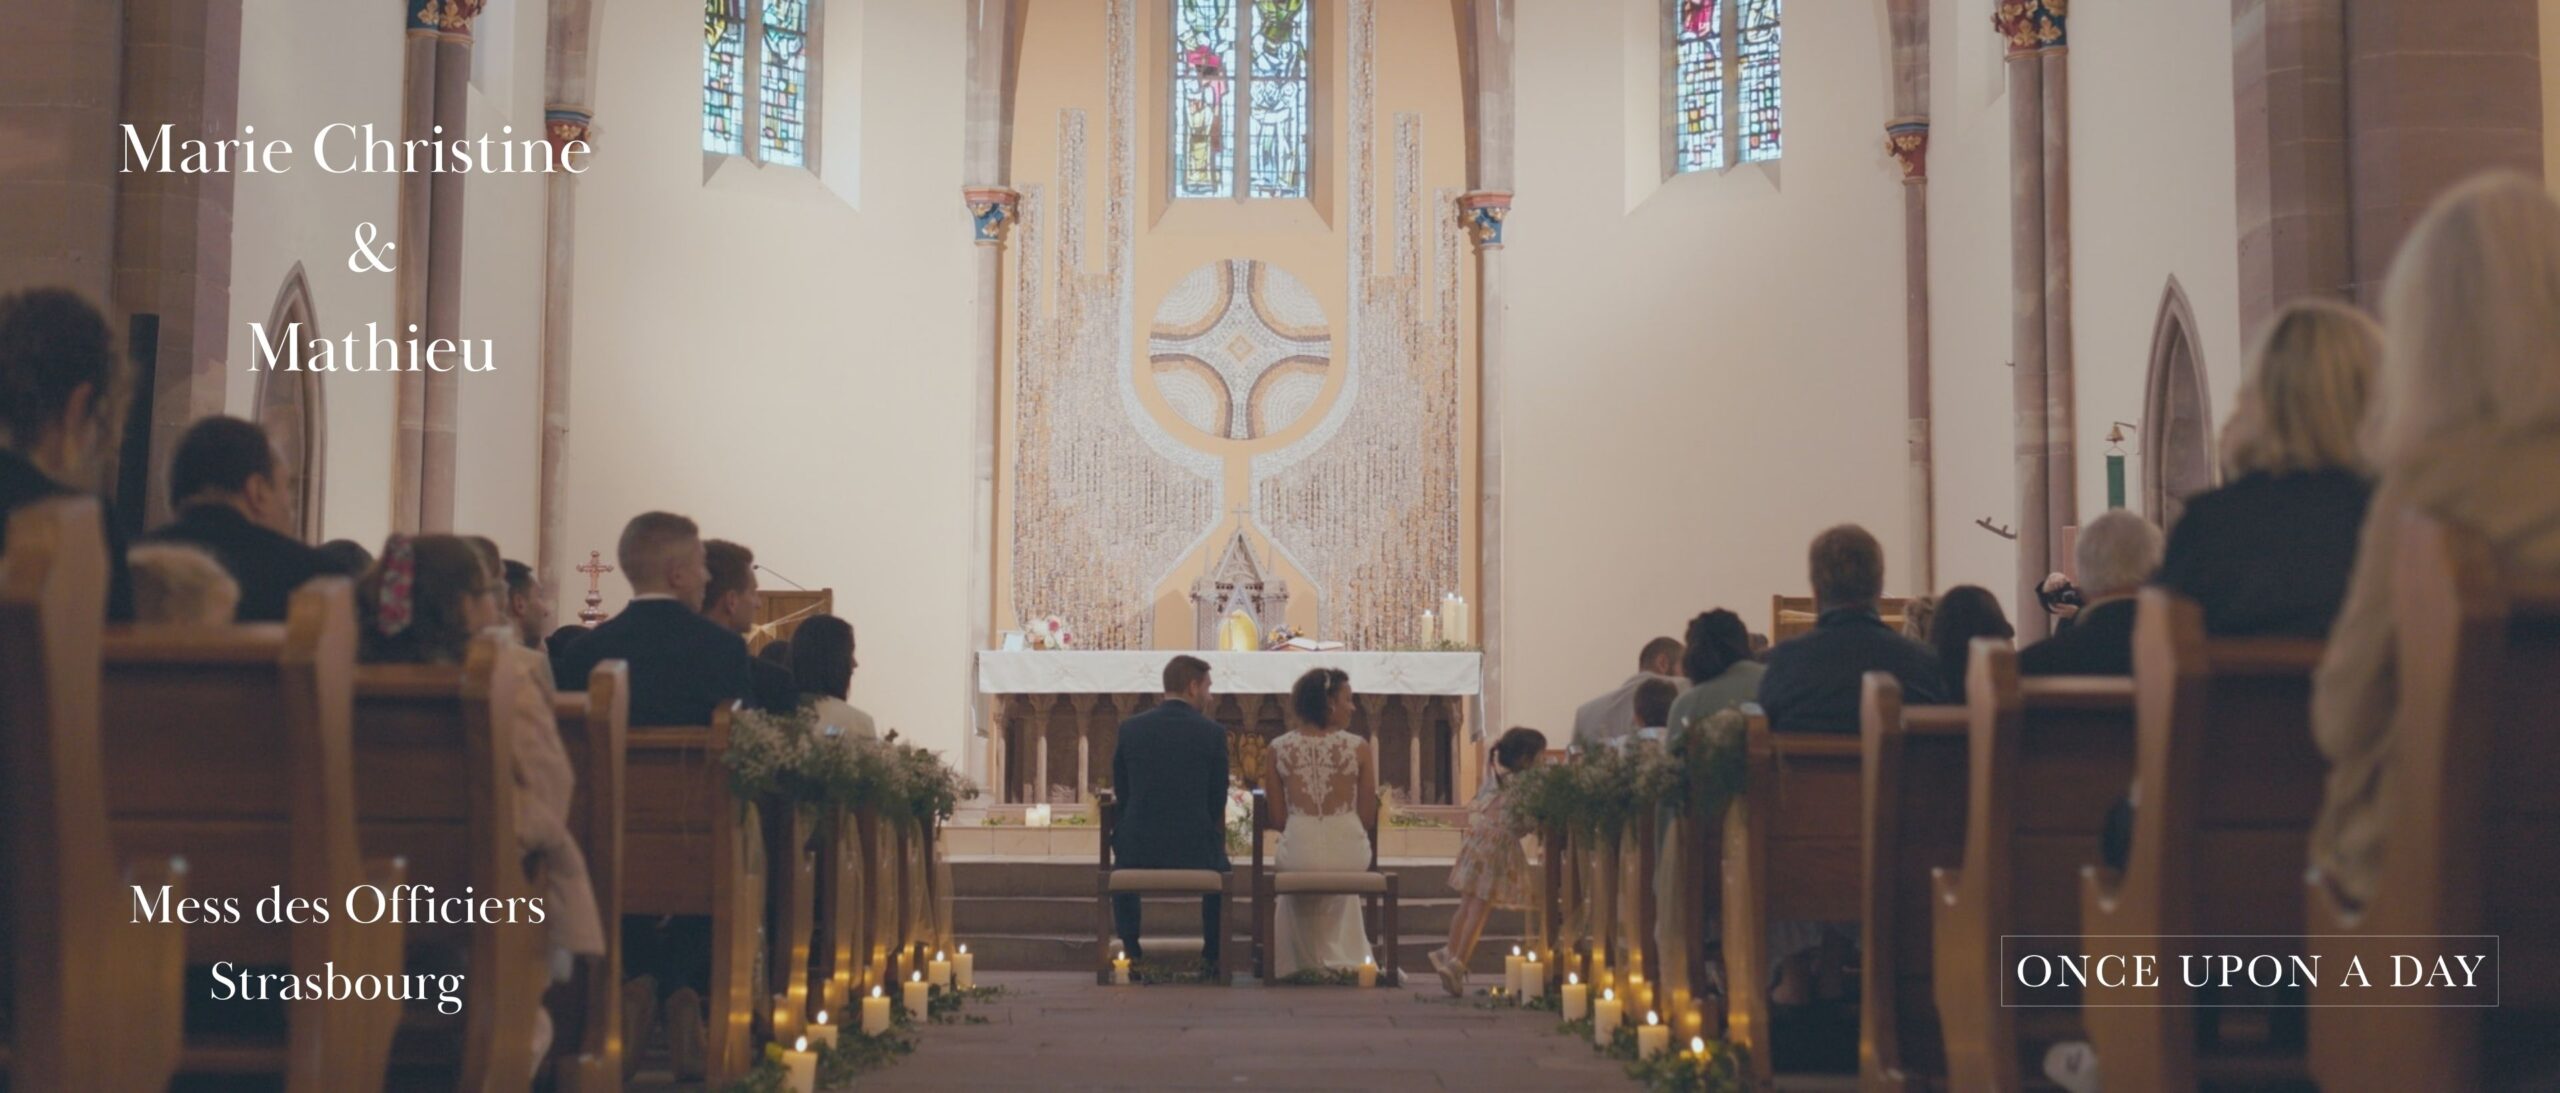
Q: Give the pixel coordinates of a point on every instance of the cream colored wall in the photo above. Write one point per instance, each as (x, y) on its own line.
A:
(1700, 382)
(788, 369)
(306, 64)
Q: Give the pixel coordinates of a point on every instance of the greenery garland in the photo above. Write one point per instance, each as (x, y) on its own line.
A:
(1695, 770)
(857, 1052)
(790, 757)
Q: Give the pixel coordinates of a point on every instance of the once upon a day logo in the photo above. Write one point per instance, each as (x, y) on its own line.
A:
(2204, 970)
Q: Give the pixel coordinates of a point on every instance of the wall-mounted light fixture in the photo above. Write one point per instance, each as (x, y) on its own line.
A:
(2115, 462)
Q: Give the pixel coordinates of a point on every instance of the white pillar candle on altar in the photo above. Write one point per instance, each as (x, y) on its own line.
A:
(938, 971)
(1604, 1017)
(1653, 1037)
(1430, 629)
(919, 998)
(875, 1013)
(1511, 972)
(821, 1032)
(800, 1068)
(1368, 971)
(964, 969)
(1577, 997)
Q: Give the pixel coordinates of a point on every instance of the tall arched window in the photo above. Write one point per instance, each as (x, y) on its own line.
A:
(1241, 98)
(289, 408)
(2177, 424)
(1724, 82)
(759, 78)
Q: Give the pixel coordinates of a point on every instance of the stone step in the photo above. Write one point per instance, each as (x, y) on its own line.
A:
(1060, 878)
(1058, 952)
(977, 915)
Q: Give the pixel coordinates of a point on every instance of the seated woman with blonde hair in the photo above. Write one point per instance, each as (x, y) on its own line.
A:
(183, 585)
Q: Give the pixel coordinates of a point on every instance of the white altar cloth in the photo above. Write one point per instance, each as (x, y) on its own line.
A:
(1141, 671)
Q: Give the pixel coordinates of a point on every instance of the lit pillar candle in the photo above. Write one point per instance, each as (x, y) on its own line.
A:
(1430, 630)
(875, 1013)
(1368, 971)
(1120, 969)
(1533, 978)
(1511, 972)
(1577, 997)
(919, 998)
(1653, 1037)
(820, 1032)
(800, 1068)
(1698, 1051)
(1604, 1017)
(964, 969)
(938, 972)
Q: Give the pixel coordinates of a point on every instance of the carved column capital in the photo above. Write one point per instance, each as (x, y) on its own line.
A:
(1485, 211)
(2032, 26)
(562, 124)
(450, 18)
(1907, 141)
(991, 210)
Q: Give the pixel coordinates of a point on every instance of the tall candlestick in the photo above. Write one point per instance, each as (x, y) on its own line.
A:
(875, 1013)
(964, 969)
(1604, 1017)
(800, 1068)
(1577, 997)
(1653, 1037)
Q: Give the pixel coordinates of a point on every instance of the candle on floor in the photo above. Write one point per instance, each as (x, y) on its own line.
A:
(1698, 1050)
(1604, 1017)
(1368, 971)
(1120, 969)
(820, 1032)
(919, 998)
(875, 1013)
(800, 1068)
(1511, 971)
(938, 972)
(1533, 979)
(1654, 1037)
(1577, 997)
(964, 969)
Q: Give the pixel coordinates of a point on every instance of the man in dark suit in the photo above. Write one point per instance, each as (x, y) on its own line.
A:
(1813, 681)
(1170, 771)
(732, 600)
(59, 409)
(2117, 552)
(222, 480)
(683, 666)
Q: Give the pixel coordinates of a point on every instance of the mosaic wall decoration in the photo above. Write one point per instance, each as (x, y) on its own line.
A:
(1240, 349)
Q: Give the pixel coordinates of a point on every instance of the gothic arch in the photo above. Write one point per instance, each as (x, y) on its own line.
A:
(2177, 420)
(289, 406)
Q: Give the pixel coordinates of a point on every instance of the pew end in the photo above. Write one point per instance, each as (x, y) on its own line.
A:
(1802, 798)
(1914, 789)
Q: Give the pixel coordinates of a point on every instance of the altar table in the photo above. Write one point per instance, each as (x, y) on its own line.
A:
(1057, 714)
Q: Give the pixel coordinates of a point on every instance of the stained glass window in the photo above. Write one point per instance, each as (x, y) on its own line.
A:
(1724, 80)
(758, 86)
(724, 67)
(785, 79)
(1241, 98)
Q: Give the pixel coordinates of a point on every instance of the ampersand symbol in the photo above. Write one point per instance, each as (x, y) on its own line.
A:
(365, 256)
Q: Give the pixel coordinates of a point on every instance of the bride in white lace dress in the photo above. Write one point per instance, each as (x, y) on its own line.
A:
(1327, 780)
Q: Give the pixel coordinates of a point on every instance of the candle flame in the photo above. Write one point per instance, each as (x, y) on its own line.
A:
(1369, 960)
(964, 948)
(875, 992)
(1572, 977)
(801, 1045)
(940, 955)
(822, 1017)
(1652, 1018)
(1698, 1046)
(1533, 958)
(918, 979)
(1607, 995)
(1515, 950)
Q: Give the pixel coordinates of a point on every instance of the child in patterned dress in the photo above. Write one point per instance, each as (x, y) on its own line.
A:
(1492, 871)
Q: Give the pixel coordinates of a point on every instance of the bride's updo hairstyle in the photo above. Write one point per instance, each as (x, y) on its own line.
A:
(1312, 697)
(1518, 749)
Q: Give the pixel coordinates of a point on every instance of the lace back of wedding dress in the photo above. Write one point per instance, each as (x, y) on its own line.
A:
(1320, 775)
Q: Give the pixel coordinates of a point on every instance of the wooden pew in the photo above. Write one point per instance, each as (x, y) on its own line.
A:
(1800, 806)
(845, 884)
(2474, 816)
(436, 785)
(1914, 822)
(587, 1049)
(73, 964)
(791, 917)
(2047, 758)
(2229, 781)
(697, 850)
(1689, 998)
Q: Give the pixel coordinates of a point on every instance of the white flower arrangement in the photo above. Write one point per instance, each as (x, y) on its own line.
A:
(1239, 817)
(1050, 632)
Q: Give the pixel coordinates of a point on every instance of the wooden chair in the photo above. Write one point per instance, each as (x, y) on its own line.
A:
(587, 1049)
(1791, 616)
(1110, 882)
(695, 849)
(1800, 806)
(73, 964)
(1377, 889)
(2473, 818)
(2228, 783)
(1914, 822)
(2047, 758)
(233, 749)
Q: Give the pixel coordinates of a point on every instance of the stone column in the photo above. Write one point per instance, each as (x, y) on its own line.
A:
(59, 105)
(988, 164)
(2289, 91)
(440, 414)
(1485, 47)
(409, 392)
(2021, 23)
(1908, 140)
(2062, 469)
(568, 77)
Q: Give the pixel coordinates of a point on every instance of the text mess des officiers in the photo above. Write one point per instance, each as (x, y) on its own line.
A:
(365, 904)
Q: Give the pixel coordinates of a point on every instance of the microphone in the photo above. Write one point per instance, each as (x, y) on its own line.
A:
(763, 568)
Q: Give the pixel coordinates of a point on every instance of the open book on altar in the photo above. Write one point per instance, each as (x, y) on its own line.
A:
(1304, 645)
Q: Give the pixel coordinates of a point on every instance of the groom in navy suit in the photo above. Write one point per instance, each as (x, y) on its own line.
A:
(1170, 770)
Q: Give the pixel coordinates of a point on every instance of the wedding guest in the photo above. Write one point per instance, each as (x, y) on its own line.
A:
(822, 666)
(1966, 612)
(528, 603)
(1492, 871)
(1717, 660)
(2467, 429)
(778, 651)
(1760, 647)
(61, 411)
(683, 666)
(1916, 614)
(2117, 553)
(347, 557)
(1612, 715)
(1813, 680)
(733, 600)
(223, 482)
(180, 584)
(2269, 552)
(424, 604)
(1652, 711)
(556, 646)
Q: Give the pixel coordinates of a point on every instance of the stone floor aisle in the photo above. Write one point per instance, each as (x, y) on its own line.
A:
(1057, 1030)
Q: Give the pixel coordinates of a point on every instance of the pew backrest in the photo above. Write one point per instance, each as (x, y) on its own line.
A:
(1801, 803)
(593, 727)
(1914, 790)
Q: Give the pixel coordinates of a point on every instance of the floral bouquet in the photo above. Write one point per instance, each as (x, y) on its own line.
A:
(1050, 632)
(1239, 817)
